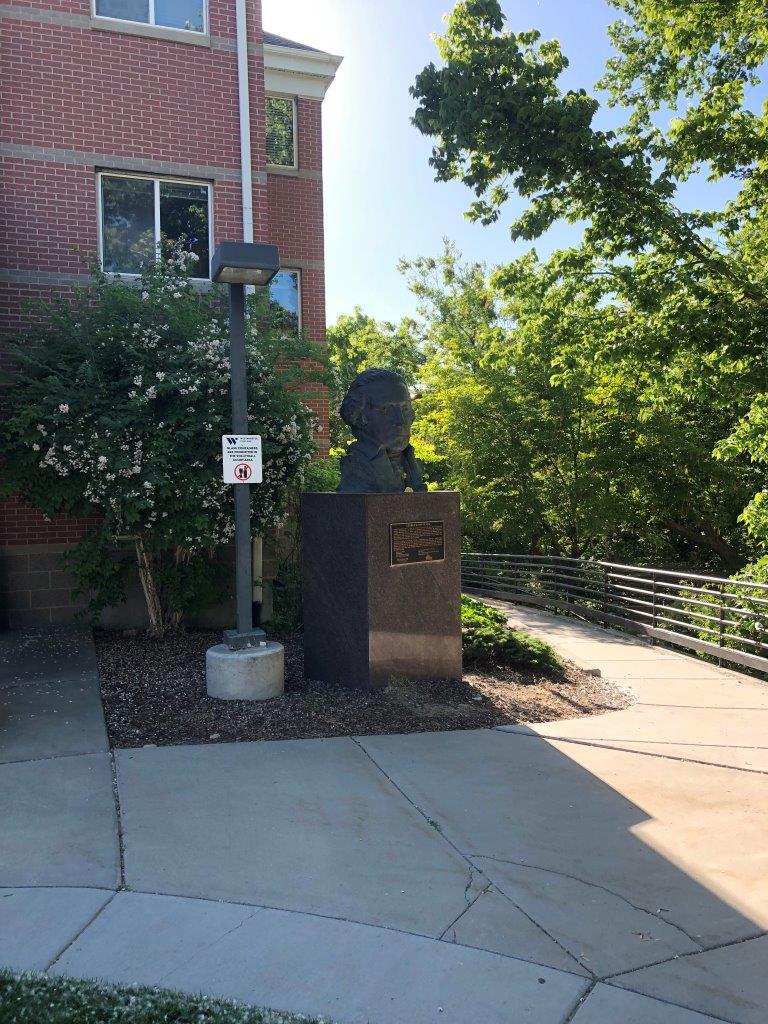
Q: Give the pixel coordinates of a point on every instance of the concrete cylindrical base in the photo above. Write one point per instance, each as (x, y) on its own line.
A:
(253, 673)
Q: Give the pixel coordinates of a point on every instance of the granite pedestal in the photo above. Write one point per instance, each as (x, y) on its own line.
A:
(381, 587)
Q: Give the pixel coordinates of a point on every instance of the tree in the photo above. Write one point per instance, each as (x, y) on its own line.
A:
(117, 406)
(676, 299)
(528, 435)
(502, 122)
(563, 425)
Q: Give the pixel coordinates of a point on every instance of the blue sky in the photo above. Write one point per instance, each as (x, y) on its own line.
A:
(381, 200)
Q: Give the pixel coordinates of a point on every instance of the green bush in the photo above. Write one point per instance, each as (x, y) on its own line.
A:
(116, 404)
(487, 639)
(322, 475)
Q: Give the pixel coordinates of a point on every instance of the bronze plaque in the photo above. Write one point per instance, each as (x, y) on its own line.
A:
(416, 542)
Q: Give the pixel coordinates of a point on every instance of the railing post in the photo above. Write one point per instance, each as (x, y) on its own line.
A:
(653, 610)
(720, 625)
(604, 609)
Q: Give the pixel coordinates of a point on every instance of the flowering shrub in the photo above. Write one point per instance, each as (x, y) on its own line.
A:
(118, 403)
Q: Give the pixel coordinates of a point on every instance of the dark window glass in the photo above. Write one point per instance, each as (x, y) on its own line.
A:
(284, 298)
(184, 218)
(180, 14)
(280, 132)
(126, 10)
(128, 223)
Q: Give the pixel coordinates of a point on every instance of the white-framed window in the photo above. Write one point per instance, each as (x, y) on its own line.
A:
(285, 297)
(188, 15)
(281, 131)
(139, 214)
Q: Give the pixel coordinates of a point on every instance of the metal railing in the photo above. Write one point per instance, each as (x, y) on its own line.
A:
(724, 618)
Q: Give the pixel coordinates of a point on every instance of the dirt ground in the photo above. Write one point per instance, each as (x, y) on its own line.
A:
(154, 693)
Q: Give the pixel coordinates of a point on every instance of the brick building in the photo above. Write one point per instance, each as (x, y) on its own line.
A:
(123, 119)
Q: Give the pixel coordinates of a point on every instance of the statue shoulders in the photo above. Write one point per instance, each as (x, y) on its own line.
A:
(357, 473)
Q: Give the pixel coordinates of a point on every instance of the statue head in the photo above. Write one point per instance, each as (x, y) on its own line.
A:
(377, 407)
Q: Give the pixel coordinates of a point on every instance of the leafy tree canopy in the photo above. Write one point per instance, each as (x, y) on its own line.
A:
(649, 336)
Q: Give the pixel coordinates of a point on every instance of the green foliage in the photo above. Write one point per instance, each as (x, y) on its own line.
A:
(190, 582)
(288, 612)
(486, 638)
(609, 400)
(31, 998)
(117, 405)
(750, 438)
(745, 615)
(280, 141)
(500, 118)
(101, 572)
(322, 475)
(558, 414)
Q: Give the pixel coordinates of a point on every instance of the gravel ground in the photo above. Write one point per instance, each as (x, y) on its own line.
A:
(154, 692)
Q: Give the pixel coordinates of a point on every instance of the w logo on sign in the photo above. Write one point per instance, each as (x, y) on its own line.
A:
(231, 440)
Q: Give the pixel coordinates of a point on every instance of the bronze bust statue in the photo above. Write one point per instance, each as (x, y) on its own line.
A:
(377, 409)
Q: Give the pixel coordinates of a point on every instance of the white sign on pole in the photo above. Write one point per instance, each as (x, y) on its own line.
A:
(242, 458)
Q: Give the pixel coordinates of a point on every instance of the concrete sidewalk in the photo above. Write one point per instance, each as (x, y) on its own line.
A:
(596, 871)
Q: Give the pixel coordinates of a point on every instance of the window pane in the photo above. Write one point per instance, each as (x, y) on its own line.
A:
(280, 132)
(128, 223)
(184, 217)
(126, 10)
(180, 14)
(284, 298)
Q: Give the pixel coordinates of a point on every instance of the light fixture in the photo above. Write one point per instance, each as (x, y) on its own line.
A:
(244, 263)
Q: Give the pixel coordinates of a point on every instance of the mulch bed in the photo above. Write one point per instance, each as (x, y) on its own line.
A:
(154, 693)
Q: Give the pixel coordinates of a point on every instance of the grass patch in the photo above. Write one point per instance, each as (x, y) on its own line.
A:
(487, 639)
(33, 998)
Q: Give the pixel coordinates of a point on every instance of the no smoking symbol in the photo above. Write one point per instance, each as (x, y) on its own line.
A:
(243, 471)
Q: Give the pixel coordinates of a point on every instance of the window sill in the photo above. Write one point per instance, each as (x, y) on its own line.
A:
(280, 169)
(134, 28)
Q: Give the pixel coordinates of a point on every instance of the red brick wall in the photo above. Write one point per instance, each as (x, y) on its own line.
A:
(23, 524)
(111, 98)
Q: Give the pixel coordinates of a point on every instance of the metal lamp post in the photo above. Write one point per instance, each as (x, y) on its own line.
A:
(238, 264)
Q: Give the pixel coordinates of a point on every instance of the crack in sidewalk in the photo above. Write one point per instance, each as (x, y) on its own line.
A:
(470, 904)
(76, 936)
(209, 946)
(466, 858)
(683, 956)
(580, 1001)
(595, 885)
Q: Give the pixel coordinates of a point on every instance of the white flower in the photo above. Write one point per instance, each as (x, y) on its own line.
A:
(148, 485)
(102, 461)
(137, 380)
(35, 447)
(63, 408)
(145, 295)
(160, 375)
